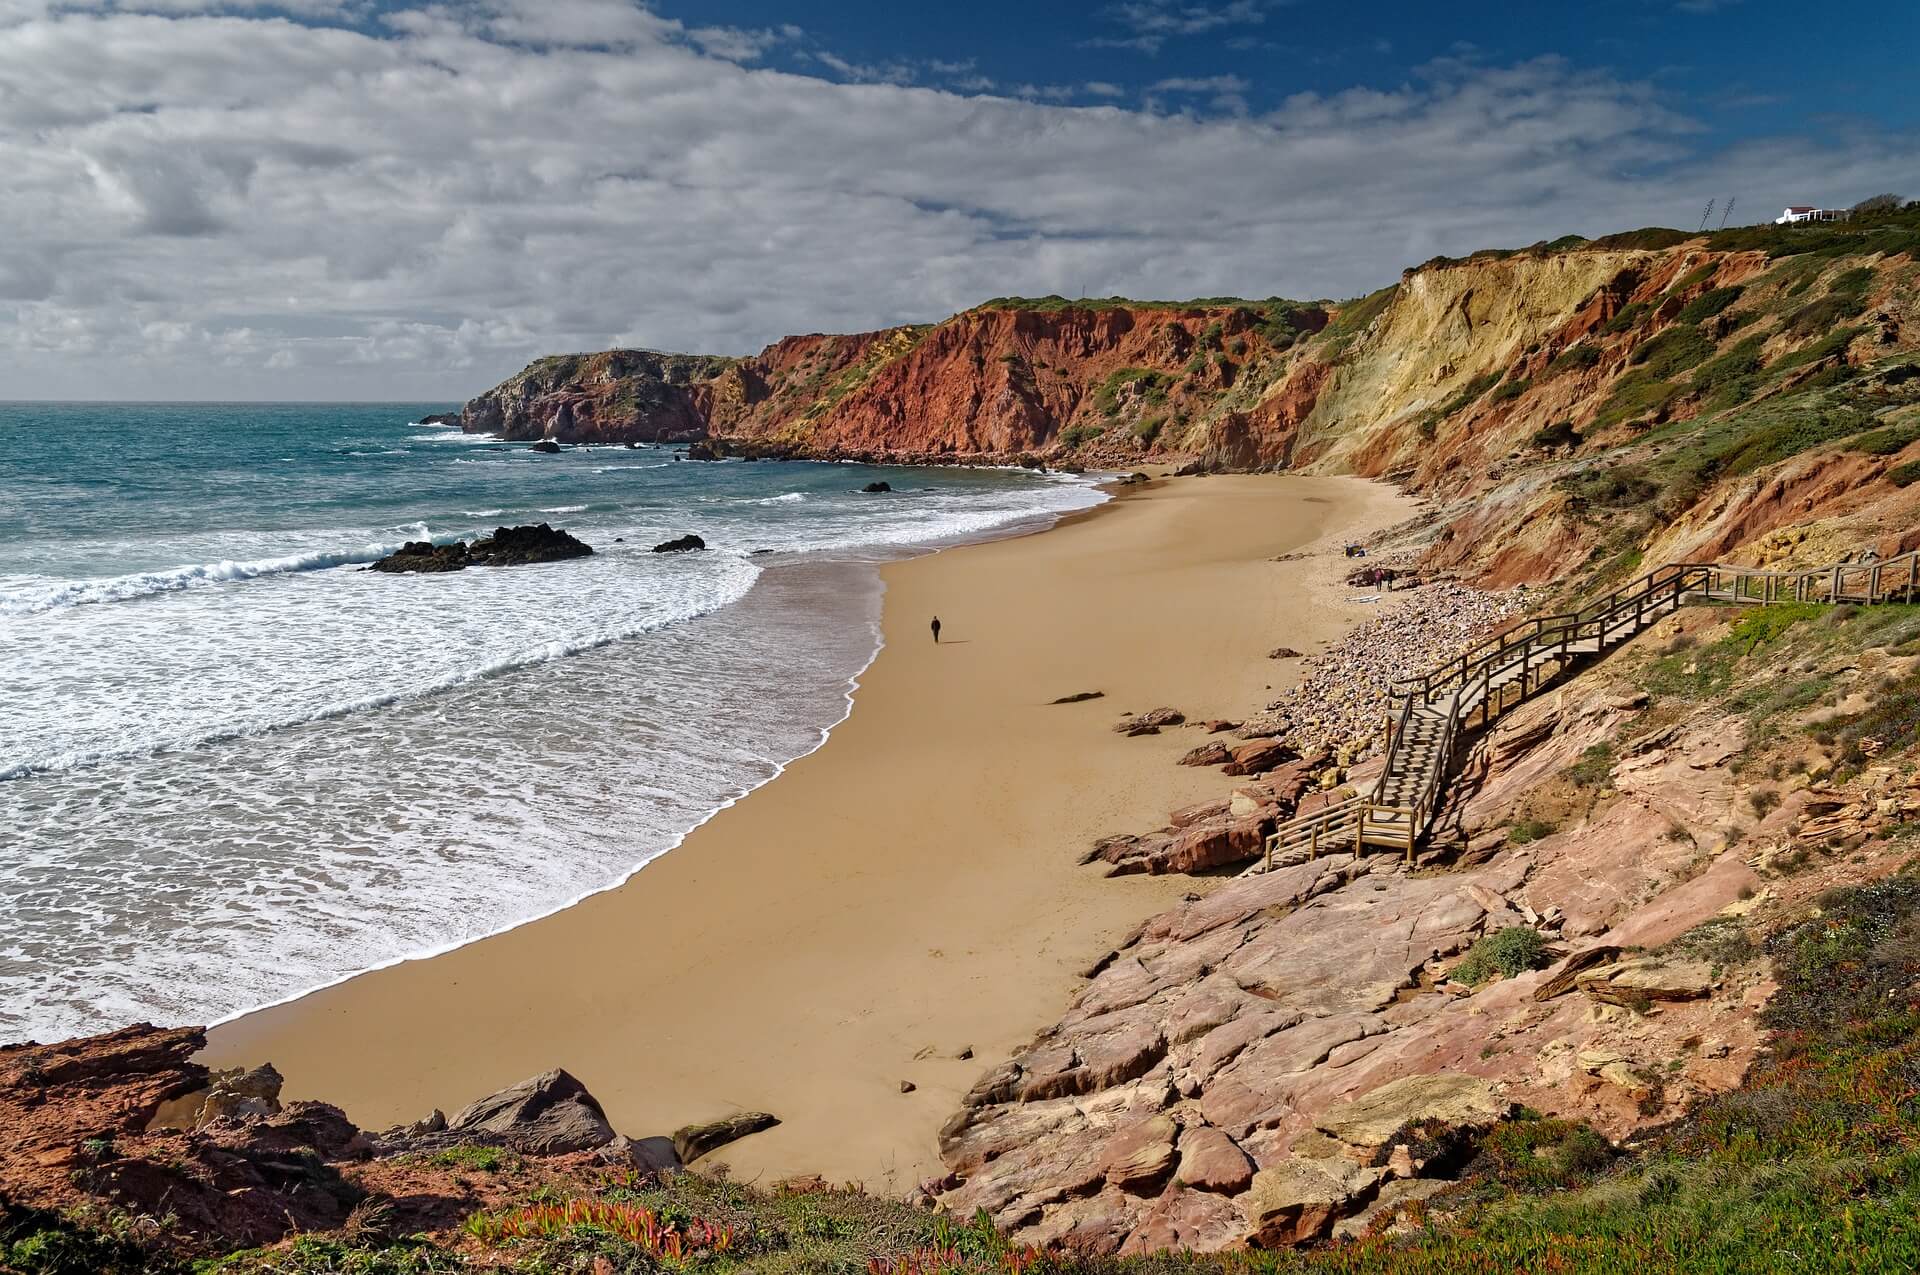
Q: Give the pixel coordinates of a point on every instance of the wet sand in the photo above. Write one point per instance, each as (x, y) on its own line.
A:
(904, 893)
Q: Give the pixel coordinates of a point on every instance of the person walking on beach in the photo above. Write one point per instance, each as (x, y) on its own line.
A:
(936, 630)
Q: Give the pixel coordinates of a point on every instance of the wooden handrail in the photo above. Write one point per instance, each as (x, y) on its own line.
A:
(1545, 639)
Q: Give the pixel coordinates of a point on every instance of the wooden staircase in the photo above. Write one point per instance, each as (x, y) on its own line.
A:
(1430, 711)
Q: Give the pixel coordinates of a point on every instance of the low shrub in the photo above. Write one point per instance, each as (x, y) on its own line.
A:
(1708, 304)
(1594, 768)
(1826, 314)
(1508, 952)
(1678, 349)
(1575, 358)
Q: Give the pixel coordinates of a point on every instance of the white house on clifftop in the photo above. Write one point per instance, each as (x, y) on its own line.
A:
(1807, 212)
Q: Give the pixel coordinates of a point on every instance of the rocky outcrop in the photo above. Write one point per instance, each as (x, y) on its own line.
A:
(680, 544)
(1272, 1060)
(615, 396)
(506, 547)
(191, 1162)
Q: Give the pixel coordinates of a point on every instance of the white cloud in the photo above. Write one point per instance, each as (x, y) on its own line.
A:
(1171, 17)
(216, 203)
(1201, 84)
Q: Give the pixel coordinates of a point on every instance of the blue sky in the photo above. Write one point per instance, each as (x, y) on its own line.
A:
(1746, 67)
(413, 198)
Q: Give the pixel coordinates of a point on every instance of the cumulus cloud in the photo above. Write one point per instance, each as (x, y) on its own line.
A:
(228, 202)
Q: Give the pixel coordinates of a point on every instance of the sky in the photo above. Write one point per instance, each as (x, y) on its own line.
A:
(390, 200)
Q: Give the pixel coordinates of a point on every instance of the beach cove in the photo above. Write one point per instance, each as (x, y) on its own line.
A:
(906, 894)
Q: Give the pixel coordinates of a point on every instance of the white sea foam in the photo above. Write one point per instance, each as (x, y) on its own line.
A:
(790, 498)
(126, 735)
(36, 598)
(563, 509)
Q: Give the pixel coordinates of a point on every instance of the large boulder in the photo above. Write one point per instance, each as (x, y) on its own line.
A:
(680, 544)
(549, 1113)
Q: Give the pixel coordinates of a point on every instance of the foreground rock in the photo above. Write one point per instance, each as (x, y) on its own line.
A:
(548, 1114)
(695, 1140)
(681, 544)
(873, 489)
(506, 547)
(193, 1163)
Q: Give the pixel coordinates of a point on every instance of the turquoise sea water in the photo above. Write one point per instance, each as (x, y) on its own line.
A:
(234, 766)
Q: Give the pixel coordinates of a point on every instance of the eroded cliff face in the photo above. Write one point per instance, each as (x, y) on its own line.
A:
(1593, 405)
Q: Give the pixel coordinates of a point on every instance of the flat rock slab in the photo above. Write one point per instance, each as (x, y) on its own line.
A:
(1371, 1121)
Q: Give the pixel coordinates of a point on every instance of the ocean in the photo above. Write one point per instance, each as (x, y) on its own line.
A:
(235, 766)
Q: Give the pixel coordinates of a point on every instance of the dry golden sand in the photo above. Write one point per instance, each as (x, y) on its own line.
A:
(906, 891)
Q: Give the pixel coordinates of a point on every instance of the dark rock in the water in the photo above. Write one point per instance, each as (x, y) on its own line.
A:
(548, 1114)
(704, 449)
(518, 546)
(441, 418)
(696, 1140)
(873, 488)
(506, 547)
(422, 556)
(680, 545)
(1079, 697)
(546, 445)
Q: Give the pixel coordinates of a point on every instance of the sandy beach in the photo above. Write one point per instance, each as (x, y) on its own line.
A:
(904, 893)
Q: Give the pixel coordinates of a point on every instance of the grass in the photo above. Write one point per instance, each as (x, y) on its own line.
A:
(1527, 831)
(1904, 475)
(1593, 769)
(1352, 317)
(1511, 951)
(474, 1159)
